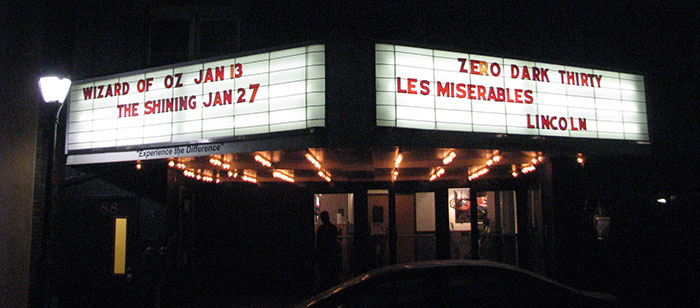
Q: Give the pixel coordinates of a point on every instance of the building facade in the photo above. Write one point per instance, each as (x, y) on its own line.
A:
(199, 157)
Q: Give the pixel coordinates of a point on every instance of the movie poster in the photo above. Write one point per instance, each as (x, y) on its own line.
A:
(460, 208)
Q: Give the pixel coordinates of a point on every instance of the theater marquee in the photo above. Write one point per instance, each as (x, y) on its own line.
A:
(197, 102)
(442, 90)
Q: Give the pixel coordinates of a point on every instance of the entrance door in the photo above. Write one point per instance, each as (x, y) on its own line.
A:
(498, 236)
(414, 222)
(340, 210)
(497, 225)
(415, 227)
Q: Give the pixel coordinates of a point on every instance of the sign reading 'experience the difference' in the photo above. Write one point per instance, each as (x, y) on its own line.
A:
(433, 89)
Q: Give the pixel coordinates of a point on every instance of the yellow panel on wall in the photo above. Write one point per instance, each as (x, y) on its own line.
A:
(119, 246)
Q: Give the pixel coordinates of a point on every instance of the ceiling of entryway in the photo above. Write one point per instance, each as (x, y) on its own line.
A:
(345, 165)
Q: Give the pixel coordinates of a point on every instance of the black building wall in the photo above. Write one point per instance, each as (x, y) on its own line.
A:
(19, 111)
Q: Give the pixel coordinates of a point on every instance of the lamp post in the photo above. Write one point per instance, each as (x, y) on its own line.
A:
(54, 91)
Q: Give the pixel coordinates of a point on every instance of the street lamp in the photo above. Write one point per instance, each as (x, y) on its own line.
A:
(54, 91)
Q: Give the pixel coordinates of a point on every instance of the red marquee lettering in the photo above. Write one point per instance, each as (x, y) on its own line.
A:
(443, 89)
(563, 126)
(398, 85)
(460, 90)
(526, 74)
(514, 71)
(474, 66)
(463, 61)
(411, 88)
(425, 90)
(495, 69)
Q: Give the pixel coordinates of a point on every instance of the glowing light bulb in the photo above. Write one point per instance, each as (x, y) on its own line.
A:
(440, 172)
(398, 160)
(449, 158)
(313, 160)
(283, 176)
(263, 161)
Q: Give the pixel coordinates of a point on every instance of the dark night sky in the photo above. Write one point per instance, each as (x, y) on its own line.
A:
(658, 41)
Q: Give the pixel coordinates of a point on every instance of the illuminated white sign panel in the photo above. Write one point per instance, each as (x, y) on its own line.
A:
(441, 90)
(261, 93)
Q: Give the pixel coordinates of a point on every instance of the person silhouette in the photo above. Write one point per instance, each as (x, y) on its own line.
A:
(327, 252)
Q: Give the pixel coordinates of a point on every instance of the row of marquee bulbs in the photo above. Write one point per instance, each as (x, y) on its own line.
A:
(287, 175)
(436, 172)
(485, 169)
(249, 175)
(209, 176)
(451, 155)
(530, 167)
(446, 160)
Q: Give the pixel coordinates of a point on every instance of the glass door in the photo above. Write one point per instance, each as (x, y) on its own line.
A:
(340, 209)
(498, 236)
(497, 225)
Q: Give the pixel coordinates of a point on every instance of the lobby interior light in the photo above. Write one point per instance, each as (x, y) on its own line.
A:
(528, 169)
(478, 173)
(394, 175)
(138, 165)
(54, 89)
(532, 165)
(580, 160)
(263, 161)
(249, 179)
(215, 162)
(283, 175)
(250, 176)
(321, 172)
(205, 176)
(438, 172)
(496, 158)
(171, 163)
(449, 158)
(189, 173)
(310, 157)
(398, 160)
(324, 175)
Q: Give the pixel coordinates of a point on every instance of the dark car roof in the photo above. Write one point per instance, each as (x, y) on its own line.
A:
(445, 264)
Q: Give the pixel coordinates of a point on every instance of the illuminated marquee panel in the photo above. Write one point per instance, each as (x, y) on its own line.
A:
(261, 93)
(441, 90)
